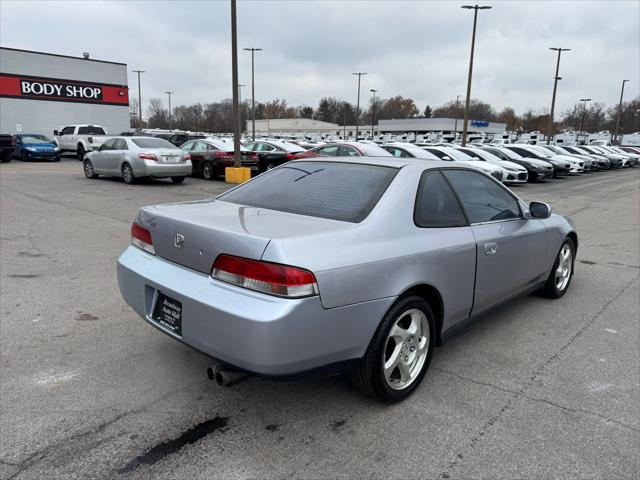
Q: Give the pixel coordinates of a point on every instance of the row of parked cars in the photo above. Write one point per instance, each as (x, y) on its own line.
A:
(136, 157)
(180, 154)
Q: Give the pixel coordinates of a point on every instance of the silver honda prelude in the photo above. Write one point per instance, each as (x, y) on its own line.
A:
(342, 265)
(133, 158)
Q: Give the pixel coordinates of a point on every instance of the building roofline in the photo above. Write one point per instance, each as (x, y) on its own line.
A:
(63, 56)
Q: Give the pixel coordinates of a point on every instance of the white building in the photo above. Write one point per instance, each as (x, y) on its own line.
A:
(39, 92)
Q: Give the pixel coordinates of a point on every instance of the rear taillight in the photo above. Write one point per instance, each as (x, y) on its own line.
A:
(265, 277)
(148, 156)
(186, 157)
(141, 238)
(290, 156)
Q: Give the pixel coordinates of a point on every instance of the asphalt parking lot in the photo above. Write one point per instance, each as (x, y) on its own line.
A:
(542, 389)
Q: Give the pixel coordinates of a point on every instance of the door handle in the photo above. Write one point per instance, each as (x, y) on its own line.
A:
(490, 248)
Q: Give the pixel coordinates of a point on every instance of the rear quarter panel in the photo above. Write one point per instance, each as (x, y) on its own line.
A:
(387, 254)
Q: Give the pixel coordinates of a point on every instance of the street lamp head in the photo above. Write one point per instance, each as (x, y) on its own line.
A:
(253, 49)
(373, 90)
(476, 7)
(559, 49)
(359, 73)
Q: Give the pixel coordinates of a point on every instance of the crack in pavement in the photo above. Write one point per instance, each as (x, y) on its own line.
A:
(39, 455)
(519, 394)
(531, 380)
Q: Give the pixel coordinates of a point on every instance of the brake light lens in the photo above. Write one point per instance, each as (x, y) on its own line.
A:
(265, 277)
(291, 156)
(148, 156)
(141, 238)
(186, 157)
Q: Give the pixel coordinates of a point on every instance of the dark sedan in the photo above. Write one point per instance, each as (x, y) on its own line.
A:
(210, 156)
(272, 153)
(536, 169)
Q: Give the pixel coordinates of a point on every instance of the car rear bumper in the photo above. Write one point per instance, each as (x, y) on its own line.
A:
(259, 333)
(161, 170)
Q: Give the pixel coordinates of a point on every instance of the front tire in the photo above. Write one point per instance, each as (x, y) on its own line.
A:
(127, 174)
(399, 353)
(562, 272)
(80, 152)
(89, 172)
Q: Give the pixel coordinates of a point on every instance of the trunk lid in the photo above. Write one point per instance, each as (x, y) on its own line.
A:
(211, 227)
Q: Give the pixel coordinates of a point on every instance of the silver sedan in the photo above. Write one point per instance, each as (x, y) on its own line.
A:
(359, 265)
(133, 158)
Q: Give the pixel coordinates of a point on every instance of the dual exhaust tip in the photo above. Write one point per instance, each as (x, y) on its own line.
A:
(223, 376)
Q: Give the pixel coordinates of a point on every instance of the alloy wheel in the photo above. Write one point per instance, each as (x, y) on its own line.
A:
(565, 264)
(406, 349)
(88, 169)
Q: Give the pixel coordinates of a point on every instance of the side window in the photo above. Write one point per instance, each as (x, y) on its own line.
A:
(347, 152)
(328, 151)
(109, 144)
(211, 148)
(199, 147)
(187, 146)
(436, 205)
(521, 151)
(482, 199)
(67, 131)
(120, 145)
(265, 147)
(250, 146)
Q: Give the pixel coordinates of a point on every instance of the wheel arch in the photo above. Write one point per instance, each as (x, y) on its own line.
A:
(574, 237)
(432, 296)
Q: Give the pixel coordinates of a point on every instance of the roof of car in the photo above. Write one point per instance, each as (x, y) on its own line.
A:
(395, 162)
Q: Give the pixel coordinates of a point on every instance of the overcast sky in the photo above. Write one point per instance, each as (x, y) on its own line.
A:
(418, 49)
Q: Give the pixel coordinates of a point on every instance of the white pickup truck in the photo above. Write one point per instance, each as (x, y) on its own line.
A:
(80, 138)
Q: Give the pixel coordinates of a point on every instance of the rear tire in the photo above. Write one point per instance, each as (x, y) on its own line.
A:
(89, 172)
(127, 174)
(80, 152)
(5, 157)
(399, 354)
(562, 272)
(207, 171)
(177, 179)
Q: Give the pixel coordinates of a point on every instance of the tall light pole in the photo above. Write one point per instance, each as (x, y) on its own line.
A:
(615, 135)
(373, 110)
(584, 111)
(253, 90)
(139, 99)
(555, 88)
(455, 127)
(475, 9)
(234, 78)
(359, 74)
(169, 94)
(240, 85)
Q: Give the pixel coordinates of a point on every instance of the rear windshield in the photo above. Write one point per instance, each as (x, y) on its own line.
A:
(152, 142)
(338, 191)
(91, 130)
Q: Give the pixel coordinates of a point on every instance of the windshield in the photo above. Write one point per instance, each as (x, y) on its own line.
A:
(34, 139)
(457, 154)
(153, 142)
(337, 191)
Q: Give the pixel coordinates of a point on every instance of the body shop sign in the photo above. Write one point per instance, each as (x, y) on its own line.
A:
(58, 90)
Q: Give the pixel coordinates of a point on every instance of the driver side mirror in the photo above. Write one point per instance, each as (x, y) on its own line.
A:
(56, 133)
(539, 210)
